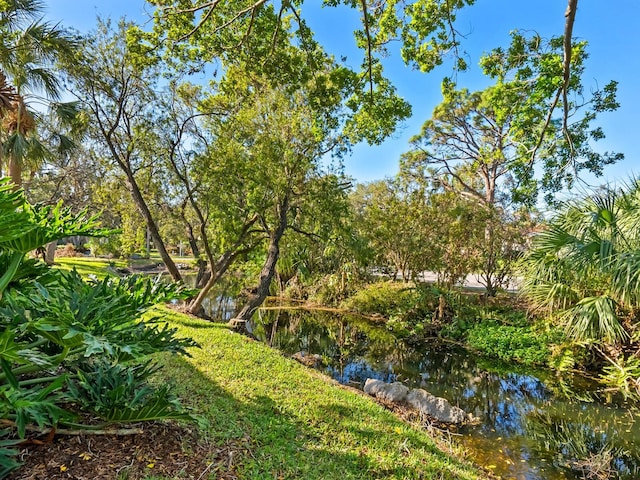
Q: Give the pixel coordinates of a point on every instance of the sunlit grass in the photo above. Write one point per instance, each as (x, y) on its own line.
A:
(290, 421)
(89, 266)
(99, 266)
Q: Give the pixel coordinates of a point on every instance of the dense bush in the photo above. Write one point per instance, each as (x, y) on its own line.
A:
(383, 298)
(522, 344)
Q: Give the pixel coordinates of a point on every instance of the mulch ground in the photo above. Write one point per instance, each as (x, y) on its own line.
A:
(163, 449)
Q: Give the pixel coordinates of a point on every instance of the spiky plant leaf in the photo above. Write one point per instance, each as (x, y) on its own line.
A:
(594, 318)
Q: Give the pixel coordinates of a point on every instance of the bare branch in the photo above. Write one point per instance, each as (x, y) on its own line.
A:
(365, 18)
(570, 15)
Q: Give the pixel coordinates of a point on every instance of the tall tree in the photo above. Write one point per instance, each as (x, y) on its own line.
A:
(489, 146)
(267, 154)
(118, 91)
(486, 143)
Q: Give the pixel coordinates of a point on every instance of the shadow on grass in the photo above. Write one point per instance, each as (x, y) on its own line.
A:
(333, 442)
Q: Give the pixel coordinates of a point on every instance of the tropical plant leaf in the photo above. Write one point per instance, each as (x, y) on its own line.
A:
(159, 407)
(121, 394)
(8, 462)
(595, 318)
(38, 404)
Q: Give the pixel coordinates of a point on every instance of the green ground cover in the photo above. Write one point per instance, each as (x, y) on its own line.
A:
(293, 422)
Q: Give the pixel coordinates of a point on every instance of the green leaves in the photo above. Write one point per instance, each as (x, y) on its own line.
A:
(120, 394)
(586, 263)
(524, 124)
(13, 220)
(96, 318)
(51, 320)
(595, 318)
(51, 223)
(27, 227)
(37, 404)
(7, 462)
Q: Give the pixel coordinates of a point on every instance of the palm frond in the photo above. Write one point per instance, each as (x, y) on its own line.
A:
(594, 318)
(625, 278)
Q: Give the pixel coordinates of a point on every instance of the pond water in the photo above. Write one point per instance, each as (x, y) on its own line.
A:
(534, 425)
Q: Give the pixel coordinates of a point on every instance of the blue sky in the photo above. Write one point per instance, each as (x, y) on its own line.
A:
(612, 33)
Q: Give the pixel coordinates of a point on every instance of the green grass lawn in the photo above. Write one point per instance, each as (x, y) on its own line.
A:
(98, 266)
(88, 265)
(293, 422)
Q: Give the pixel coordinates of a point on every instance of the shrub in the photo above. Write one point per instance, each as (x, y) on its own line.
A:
(58, 330)
(383, 298)
(67, 251)
(523, 344)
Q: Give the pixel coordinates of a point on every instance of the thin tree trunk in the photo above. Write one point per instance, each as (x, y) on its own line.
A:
(217, 270)
(195, 307)
(50, 252)
(153, 228)
(219, 267)
(201, 279)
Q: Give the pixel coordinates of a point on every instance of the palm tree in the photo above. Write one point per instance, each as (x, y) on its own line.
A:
(28, 84)
(586, 265)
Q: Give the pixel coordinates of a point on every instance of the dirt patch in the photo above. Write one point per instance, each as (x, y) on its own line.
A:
(163, 449)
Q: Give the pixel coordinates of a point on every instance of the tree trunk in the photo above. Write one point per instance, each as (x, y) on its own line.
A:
(201, 278)
(195, 307)
(267, 272)
(266, 275)
(50, 252)
(153, 228)
(217, 270)
(15, 172)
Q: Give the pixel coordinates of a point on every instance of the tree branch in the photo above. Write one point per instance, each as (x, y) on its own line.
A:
(369, 45)
(570, 15)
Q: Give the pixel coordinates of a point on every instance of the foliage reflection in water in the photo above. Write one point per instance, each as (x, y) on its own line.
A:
(533, 426)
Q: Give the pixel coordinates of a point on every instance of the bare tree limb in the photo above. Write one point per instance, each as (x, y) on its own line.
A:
(80, 431)
(365, 21)
(570, 16)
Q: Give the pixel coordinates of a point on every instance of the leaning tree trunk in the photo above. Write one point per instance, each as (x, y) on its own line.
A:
(153, 228)
(267, 272)
(221, 265)
(201, 277)
(264, 283)
(217, 270)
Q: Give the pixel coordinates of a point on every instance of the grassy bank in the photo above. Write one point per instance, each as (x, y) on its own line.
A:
(293, 422)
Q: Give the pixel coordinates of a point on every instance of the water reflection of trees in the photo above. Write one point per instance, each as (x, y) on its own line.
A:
(339, 338)
(505, 400)
(576, 445)
(356, 348)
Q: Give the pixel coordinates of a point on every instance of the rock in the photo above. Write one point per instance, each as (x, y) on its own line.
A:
(436, 407)
(390, 392)
(313, 361)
